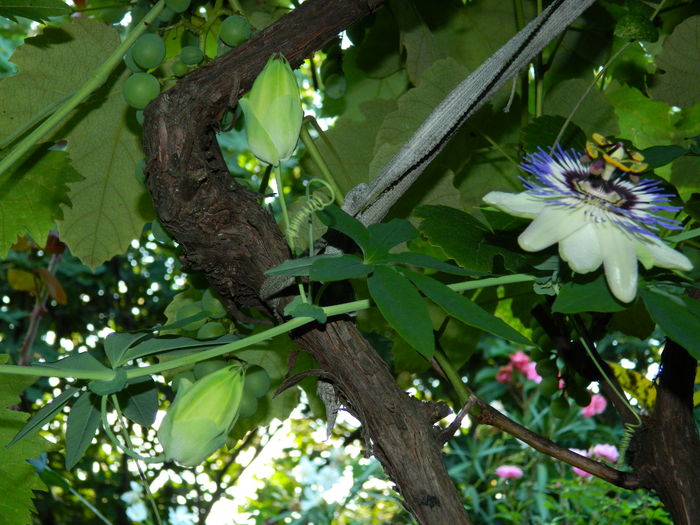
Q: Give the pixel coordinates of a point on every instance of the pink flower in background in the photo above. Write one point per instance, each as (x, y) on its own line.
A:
(562, 384)
(595, 407)
(578, 471)
(606, 451)
(504, 373)
(508, 472)
(519, 359)
(531, 373)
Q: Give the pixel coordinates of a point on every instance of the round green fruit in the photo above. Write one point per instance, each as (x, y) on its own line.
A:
(180, 69)
(140, 89)
(204, 368)
(335, 86)
(234, 30)
(148, 51)
(211, 330)
(257, 381)
(129, 61)
(249, 405)
(559, 407)
(547, 368)
(212, 305)
(190, 310)
(549, 386)
(191, 55)
(177, 6)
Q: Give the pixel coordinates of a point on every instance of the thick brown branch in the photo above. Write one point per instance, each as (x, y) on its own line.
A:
(225, 234)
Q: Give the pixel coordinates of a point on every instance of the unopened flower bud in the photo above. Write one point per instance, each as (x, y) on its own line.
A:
(201, 416)
(273, 112)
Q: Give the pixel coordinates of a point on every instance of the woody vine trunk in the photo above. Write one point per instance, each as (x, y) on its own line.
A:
(227, 235)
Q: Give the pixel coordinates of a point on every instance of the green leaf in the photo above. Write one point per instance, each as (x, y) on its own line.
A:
(684, 176)
(348, 146)
(166, 344)
(117, 344)
(422, 50)
(109, 386)
(339, 269)
(461, 308)
(676, 79)
(298, 308)
(464, 238)
(658, 156)
(297, 267)
(543, 131)
(37, 10)
(589, 293)
(32, 193)
(636, 27)
(83, 420)
(386, 235)
(139, 401)
(335, 218)
(403, 308)
(51, 67)
(109, 205)
(44, 414)
(645, 122)
(595, 115)
(677, 318)
(18, 478)
(425, 261)
(635, 384)
(83, 361)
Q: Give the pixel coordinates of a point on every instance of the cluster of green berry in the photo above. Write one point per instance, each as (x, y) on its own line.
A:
(148, 53)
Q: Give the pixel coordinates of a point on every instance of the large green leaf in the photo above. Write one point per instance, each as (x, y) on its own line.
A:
(461, 308)
(83, 420)
(107, 205)
(18, 478)
(52, 66)
(110, 207)
(416, 39)
(44, 414)
(38, 10)
(337, 219)
(384, 236)
(338, 269)
(645, 122)
(464, 238)
(403, 308)
(117, 345)
(167, 344)
(139, 401)
(588, 293)
(676, 79)
(351, 145)
(32, 193)
(594, 115)
(425, 261)
(676, 316)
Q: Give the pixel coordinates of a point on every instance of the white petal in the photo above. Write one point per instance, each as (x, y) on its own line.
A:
(518, 204)
(657, 253)
(620, 262)
(550, 226)
(581, 250)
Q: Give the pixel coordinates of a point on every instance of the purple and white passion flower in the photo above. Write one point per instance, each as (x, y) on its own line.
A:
(596, 214)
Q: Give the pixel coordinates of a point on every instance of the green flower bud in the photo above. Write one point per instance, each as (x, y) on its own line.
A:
(273, 112)
(201, 416)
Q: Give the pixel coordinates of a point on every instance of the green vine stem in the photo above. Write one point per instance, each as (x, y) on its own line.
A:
(95, 81)
(110, 434)
(280, 196)
(318, 159)
(198, 355)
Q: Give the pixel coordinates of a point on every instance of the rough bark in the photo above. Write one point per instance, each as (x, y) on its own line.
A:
(666, 452)
(225, 234)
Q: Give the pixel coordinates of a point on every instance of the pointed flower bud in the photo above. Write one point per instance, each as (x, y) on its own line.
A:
(273, 112)
(201, 416)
